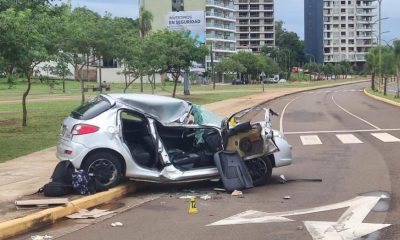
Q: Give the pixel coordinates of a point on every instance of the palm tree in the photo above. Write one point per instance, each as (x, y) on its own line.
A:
(145, 19)
(396, 46)
(372, 61)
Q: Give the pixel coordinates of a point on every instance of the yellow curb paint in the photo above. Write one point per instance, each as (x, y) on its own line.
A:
(40, 219)
(381, 99)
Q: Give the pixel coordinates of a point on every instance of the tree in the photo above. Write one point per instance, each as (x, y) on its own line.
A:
(396, 48)
(176, 51)
(61, 68)
(229, 65)
(25, 41)
(288, 50)
(388, 65)
(145, 19)
(79, 40)
(372, 64)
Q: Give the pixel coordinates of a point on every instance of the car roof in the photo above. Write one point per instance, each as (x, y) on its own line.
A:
(164, 109)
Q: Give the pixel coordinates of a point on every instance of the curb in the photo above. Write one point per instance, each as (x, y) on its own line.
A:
(45, 217)
(313, 88)
(381, 99)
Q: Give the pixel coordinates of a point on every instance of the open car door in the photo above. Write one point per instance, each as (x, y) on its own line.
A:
(249, 133)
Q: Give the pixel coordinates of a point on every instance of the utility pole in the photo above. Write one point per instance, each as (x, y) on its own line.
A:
(380, 41)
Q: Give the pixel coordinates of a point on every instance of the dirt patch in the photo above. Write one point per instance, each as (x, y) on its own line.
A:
(8, 122)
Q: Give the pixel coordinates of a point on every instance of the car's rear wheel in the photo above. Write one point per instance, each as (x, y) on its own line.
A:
(106, 168)
(260, 170)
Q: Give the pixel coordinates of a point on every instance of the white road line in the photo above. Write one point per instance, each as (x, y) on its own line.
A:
(342, 131)
(310, 140)
(283, 113)
(349, 226)
(385, 137)
(348, 138)
(372, 125)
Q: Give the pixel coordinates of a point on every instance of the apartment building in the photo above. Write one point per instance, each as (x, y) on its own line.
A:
(220, 29)
(255, 24)
(347, 30)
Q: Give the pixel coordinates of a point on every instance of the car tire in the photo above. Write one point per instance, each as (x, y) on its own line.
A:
(260, 170)
(106, 168)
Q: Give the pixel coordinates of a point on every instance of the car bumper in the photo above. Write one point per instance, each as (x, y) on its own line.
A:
(283, 157)
(77, 152)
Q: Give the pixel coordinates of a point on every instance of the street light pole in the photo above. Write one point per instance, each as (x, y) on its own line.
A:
(380, 41)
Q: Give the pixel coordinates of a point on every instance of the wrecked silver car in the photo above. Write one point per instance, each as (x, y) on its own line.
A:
(162, 139)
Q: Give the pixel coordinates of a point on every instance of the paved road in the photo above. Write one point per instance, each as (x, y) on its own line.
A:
(339, 135)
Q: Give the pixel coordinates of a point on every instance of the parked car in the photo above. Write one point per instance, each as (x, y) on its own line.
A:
(238, 81)
(162, 139)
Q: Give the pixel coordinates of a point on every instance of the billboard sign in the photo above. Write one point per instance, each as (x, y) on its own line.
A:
(192, 21)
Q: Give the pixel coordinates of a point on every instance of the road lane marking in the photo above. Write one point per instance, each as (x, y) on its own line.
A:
(348, 138)
(385, 137)
(310, 140)
(363, 120)
(283, 113)
(342, 131)
(349, 226)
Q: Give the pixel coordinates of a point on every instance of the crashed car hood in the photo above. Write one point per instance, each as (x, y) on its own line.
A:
(164, 109)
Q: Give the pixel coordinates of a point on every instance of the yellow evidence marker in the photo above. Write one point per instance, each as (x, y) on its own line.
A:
(192, 206)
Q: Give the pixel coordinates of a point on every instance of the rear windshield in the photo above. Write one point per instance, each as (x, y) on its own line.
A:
(91, 109)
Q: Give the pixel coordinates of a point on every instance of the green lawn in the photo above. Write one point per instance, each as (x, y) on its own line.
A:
(389, 96)
(44, 118)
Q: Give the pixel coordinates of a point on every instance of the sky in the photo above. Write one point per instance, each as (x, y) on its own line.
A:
(289, 11)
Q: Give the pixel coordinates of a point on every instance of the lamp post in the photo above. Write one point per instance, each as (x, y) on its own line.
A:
(380, 40)
(311, 55)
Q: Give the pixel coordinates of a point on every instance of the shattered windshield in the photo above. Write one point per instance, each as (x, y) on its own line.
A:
(205, 117)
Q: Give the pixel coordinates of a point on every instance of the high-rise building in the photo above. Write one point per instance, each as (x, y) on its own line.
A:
(347, 29)
(255, 24)
(219, 15)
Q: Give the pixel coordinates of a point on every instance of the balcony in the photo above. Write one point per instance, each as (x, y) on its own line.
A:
(220, 4)
(220, 15)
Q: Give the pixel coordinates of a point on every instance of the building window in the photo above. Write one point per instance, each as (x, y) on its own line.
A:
(177, 5)
(110, 63)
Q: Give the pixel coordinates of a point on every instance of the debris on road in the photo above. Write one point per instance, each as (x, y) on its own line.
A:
(237, 193)
(300, 227)
(205, 197)
(185, 197)
(219, 189)
(39, 237)
(34, 203)
(117, 224)
(192, 206)
(94, 213)
(287, 197)
(282, 179)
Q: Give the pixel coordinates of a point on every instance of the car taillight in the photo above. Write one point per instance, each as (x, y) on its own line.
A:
(82, 129)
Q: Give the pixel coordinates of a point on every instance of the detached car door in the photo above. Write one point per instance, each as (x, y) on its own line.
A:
(248, 132)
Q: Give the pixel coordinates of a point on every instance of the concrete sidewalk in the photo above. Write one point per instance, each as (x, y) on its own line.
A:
(26, 174)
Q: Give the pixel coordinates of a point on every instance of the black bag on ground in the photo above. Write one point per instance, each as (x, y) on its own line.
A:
(63, 172)
(56, 189)
(61, 180)
(233, 171)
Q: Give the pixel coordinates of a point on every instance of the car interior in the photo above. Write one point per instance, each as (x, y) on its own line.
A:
(136, 135)
(190, 148)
